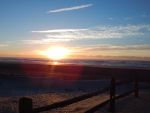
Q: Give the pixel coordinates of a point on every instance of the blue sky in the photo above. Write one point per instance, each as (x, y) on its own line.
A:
(105, 27)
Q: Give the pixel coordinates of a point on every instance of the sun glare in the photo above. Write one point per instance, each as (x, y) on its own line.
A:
(57, 53)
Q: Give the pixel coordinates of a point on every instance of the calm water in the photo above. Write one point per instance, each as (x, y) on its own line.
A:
(122, 63)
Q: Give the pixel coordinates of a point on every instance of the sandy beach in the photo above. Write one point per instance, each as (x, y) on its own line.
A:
(46, 90)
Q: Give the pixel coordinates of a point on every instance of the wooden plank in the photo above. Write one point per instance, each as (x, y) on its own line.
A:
(124, 94)
(69, 101)
(75, 99)
(97, 107)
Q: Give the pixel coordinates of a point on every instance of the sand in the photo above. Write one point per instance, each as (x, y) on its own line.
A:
(25, 87)
(128, 104)
(131, 104)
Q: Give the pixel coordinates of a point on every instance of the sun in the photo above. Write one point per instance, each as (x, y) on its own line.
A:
(57, 53)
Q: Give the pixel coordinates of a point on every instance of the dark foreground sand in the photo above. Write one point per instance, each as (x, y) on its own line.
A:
(131, 104)
(9, 82)
(135, 105)
(128, 104)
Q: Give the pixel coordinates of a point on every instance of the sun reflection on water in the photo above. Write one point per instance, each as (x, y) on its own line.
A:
(55, 63)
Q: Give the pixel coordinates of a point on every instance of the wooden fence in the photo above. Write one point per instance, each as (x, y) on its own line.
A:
(26, 105)
(114, 74)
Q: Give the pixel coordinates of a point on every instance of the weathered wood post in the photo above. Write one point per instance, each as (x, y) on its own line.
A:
(112, 95)
(136, 87)
(25, 105)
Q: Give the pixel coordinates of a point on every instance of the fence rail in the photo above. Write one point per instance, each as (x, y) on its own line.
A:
(69, 101)
(26, 105)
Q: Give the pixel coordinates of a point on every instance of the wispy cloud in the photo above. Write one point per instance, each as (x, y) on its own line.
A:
(100, 32)
(110, 18)
(104, 47)
(145, 15)
(3, 44)
(70, 8)
(45, 41)
(112, 50)
(58, 30)
(105, 50)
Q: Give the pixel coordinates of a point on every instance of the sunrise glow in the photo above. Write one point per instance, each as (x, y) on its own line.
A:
(56, 53)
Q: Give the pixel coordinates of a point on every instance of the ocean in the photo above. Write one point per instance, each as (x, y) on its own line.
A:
(118, 63)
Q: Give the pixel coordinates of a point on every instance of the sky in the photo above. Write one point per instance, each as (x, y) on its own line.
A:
(91, 29)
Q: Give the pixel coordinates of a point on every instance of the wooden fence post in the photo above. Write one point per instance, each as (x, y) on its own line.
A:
(25, 105)
(136, 87)
(112, 95)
